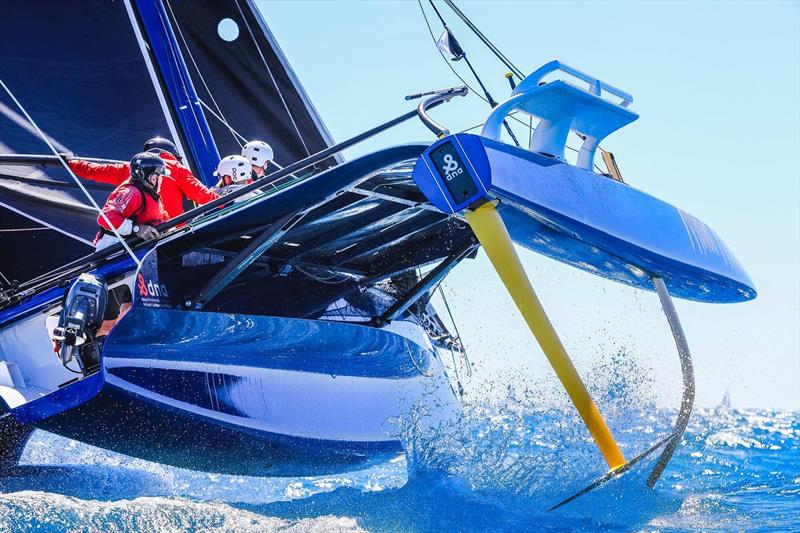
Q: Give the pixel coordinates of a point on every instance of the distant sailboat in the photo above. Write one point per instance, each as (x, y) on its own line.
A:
(726, 400)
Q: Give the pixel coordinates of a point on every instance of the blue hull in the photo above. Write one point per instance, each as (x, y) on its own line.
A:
(249, 395)
(268, 378)
(124, 422)
(592, 222)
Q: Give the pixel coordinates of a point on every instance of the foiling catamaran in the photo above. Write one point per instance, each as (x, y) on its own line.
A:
(277, 331)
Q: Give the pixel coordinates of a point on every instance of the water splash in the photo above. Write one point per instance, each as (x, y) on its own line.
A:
(28, 511)
(497, 466)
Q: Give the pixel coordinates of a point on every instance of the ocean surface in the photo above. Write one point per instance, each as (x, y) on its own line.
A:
(498, 467)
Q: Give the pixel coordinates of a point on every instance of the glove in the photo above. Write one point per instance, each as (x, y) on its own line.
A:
(147, 232)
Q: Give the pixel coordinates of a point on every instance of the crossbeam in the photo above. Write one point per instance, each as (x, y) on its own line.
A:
(425, 284)
(254, 249)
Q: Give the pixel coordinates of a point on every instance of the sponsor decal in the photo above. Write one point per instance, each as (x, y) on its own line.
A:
(142, 285)
(453, 173)
(149, 292)
(451, 167)
(150, 288)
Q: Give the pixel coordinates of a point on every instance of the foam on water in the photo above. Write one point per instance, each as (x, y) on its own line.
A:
(27, 510)
(497, 466)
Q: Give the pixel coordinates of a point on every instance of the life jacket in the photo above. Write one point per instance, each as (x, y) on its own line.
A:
(149, 211)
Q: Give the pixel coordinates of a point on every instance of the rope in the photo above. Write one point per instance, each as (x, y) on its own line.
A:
(485, 40)
(472, 90)
(320, 279)
(72, 174)
(269, 71)
(236, 135)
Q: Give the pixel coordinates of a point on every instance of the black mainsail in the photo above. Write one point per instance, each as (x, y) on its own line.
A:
(99, 78)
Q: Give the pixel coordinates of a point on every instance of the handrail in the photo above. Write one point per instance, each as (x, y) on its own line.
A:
(557, 121)
(438, 97)
(595, 84)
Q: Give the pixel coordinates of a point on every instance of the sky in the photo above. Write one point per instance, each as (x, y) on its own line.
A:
(717, 86)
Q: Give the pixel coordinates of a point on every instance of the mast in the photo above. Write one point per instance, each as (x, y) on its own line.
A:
(175, 76)
(173, 130)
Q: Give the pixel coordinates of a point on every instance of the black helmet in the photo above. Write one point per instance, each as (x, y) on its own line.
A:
(144, 165)
(160, 144)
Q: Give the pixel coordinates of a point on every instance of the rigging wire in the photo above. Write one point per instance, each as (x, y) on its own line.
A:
(218, 114)
(427, 23)
(200, 74)
(46, 139)
(175, 52)
(458, 334)
(530, 136)
(507, 62)
(511, 116)
(272, 77)
(455, 72)
(236, 135)
(489, 99)
(17, 230)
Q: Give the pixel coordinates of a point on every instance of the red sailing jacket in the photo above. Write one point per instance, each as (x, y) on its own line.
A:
(129, 202)
(174, 187)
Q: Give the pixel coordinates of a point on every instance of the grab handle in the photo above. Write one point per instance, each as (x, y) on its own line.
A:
(435, 98)
(595, 84)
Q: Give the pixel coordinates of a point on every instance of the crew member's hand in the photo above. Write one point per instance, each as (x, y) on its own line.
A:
(147, 232)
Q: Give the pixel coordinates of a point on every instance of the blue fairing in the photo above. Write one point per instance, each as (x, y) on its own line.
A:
(333, 348)
(592, 222)
(243, 394)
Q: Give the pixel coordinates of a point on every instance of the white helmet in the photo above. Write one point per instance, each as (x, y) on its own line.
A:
(258, 153)
(235, 167)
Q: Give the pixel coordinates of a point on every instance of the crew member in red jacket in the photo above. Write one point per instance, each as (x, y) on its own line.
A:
(134, 208)
(178, 183)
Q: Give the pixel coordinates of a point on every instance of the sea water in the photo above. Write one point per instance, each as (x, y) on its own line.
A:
(498, 467)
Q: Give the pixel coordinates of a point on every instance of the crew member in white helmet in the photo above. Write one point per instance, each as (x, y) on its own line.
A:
(259, 154)
(234, 172)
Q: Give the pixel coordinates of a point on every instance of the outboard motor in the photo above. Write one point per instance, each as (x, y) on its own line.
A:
(80, 319)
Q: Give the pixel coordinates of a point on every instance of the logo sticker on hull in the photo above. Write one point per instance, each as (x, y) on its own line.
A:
(453, 173)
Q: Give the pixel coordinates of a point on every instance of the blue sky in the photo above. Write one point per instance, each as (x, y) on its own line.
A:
(717, 86)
